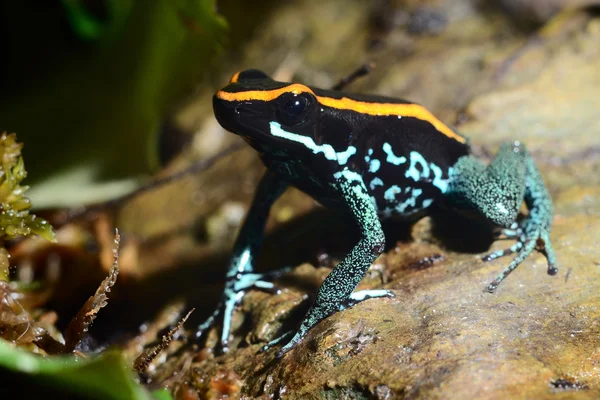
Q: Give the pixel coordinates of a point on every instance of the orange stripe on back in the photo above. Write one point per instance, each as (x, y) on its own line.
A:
(386, 109)
(345, 103)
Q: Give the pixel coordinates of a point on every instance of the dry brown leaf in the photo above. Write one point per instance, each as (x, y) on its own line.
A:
(80, 324)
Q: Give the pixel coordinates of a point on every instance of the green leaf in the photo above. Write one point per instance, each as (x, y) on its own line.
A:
(107, 376)
(162, 394)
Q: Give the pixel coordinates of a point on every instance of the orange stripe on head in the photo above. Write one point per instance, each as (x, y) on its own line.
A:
(235, 77)
(386, 109)
(262, 95)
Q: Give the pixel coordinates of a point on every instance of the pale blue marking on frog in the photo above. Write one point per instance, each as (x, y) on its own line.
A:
(390, 194)
(367, 294)
(401, 208)
(374, 166)
(235, 293)
(391, 157)
(351, 176)
(427, 203)
(375, 182)
(342, 157)
(327, 150)
(410, 202)
(412, 172)
(243, 261)
(438, 181)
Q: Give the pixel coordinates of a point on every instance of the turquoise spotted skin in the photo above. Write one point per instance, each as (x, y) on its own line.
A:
(374, 158)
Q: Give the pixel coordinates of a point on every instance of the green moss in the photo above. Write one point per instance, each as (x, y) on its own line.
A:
(15, 219)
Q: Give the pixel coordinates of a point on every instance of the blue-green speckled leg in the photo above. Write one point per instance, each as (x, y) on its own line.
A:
(240, 276)
(336, 292)
(497, 191)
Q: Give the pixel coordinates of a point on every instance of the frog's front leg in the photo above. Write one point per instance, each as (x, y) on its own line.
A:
(497, 192)
(336, 292)
(240, 275)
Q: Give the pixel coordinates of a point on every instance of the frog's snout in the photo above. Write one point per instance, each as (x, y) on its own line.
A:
(224, 111)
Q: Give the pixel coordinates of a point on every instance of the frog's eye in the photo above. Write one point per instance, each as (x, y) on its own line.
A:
(294, 108)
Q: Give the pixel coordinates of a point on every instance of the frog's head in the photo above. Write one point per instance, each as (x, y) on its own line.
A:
(267, 112)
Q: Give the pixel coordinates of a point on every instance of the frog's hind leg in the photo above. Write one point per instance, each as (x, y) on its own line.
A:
(497, 192)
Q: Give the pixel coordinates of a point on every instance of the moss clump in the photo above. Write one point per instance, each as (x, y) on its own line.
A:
(15, 219)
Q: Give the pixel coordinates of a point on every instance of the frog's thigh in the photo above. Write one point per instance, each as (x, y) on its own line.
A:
(496, 190)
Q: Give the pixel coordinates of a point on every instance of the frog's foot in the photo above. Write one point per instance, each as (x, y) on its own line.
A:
(317, 314)
(235, 289)
(530, 237)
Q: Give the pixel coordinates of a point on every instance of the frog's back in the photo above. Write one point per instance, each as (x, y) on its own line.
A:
(404, 153)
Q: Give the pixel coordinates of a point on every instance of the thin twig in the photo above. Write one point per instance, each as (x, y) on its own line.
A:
(361, 71)
(116, 202)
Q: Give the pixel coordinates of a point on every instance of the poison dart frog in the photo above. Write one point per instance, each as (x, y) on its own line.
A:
(373, 157)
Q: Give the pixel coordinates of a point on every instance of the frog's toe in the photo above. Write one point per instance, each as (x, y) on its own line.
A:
(208, 324)
(264, 281)
(362, 295)
(224, 314)
(296, 338)
(276, 341)
(261, 281)
(502, 253)
(545, 247)
(509, 233)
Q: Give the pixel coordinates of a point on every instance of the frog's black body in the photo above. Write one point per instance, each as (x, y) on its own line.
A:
(374, 157)
(345, 129)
